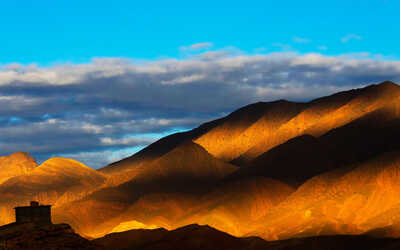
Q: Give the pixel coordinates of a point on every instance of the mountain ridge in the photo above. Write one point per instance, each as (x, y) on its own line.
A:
(278, 170)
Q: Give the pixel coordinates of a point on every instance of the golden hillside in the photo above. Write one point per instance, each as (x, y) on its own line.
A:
(56, 181)
(15, 165)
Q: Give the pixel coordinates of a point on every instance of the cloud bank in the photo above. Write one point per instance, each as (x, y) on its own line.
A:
(106, 109)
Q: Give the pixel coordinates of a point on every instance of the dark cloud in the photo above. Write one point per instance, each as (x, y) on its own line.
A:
(92, 110)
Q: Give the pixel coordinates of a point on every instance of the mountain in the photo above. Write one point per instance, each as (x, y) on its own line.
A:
(232, 207)
(157, 149)
(185, 166)
(246, 136)
(15, 165)
(308, 157)
(56, 181)
(353, 200)
(48, 237)
(245, 127)
(186, 178)
(187, 169)
(361, 139)
(195, 237)
(191, 237)
(277, 170)
(326, 114)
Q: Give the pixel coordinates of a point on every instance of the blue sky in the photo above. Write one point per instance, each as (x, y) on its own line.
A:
(60, 31)
(99, 80)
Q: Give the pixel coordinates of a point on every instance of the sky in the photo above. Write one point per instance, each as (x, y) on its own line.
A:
(99, 80)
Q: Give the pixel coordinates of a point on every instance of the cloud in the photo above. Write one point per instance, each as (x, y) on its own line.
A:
(108, 105)
(322, 47)
(350, 37)
(282, 46)
(297, 39)
(197, 46)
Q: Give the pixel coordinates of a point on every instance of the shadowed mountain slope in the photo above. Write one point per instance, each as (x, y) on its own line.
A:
(326, 114)
(230, 207)
(187, 169)
(292, 162)
(239, 119)
(157, 149)
(362, 139)
(236, 206)
(195, 237)
(28, 236)
(191, 237)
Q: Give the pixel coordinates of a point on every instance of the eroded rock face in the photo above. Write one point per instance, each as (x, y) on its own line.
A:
(28, 236)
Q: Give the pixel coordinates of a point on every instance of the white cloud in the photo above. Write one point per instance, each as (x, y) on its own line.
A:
(128, 141)
(71, 109)
(297, 39)
(185, 79)
(350, 37)
(197, 46)
(282, 46)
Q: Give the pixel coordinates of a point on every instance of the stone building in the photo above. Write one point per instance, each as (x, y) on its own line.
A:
(35, 213)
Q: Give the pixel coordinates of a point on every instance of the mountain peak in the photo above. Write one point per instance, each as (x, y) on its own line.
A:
(388, 83)
(20, 155)
(386, 86)
(57, 165)
(16, 164)
(383, 91)
(55, 161)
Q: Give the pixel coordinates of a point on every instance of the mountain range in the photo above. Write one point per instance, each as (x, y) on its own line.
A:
(277, 170)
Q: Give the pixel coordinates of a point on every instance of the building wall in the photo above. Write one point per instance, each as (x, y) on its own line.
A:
(38, 214)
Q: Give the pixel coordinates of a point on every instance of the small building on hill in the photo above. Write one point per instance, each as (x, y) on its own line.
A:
(35, 213)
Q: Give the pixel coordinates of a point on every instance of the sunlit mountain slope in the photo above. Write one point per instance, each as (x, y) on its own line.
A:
(364, 138)
(314, 118)
(235, 206)
(229, 207)
(56, 181)
(245, 127)
(246, 134)
(187, 169)
(15, 165)
(345, 201)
